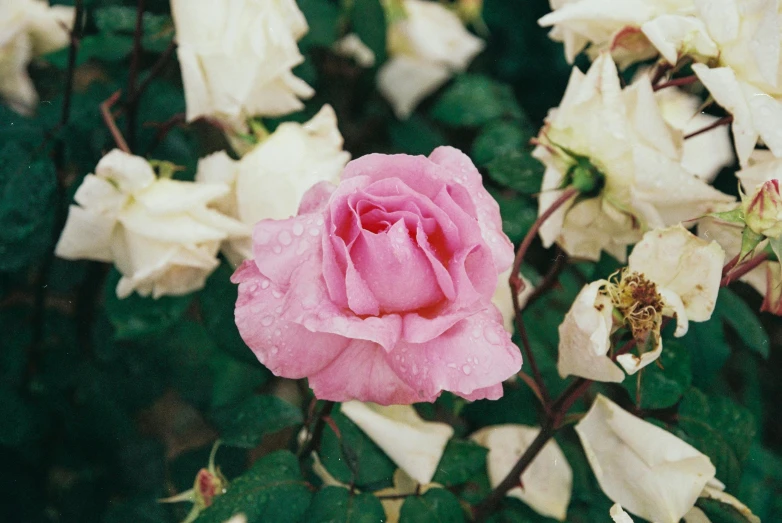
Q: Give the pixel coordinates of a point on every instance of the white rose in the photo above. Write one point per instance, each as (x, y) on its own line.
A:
(547, 482)
(426, 47)
(623, 136)
(28, 28)
(678, 275)
(158, 232)
(237, 55)
(608, 25)
(270, 180)
(415, 445)
(651, 472)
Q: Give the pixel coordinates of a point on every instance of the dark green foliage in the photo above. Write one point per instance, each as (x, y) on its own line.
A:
(338, 505)
(436, 506)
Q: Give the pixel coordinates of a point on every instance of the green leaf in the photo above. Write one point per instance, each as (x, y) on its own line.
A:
(323, 19)
(218, 300)
(28, 190)
(436, 506)
(245, 424)
(474, 100)
(368, 20)
(461, 460)
(272, 490)
(517, 170)
(663, 383)
(356, 457)
(708, 347)
(415, 136)
(721, 429)
(735, 312)
(518, 213)
(338, 505)
(136, 317)
(18, 418)
(500, 138)
(108, 47)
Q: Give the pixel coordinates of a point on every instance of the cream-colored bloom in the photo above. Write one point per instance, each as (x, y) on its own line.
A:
(158, 232)
(415, 445)
(351, 46)
(635, 157)
(237, 55)
(703, 155)
(28, 28)
(426, 47)
(671, 272)
(612, 25)
(547, 482)
(270, 180)
(503, 298)
(651, 472)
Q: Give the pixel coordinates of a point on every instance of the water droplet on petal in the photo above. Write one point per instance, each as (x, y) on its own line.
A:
(313, 231)
(277, 294)
(267, 320)
(264, 284)
(467, 369)
(491, 335)
(285, 238)
(298, 229)
(277, 249)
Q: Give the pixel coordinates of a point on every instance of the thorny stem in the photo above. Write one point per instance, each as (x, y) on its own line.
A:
(556, 415)
(517, 285)
(132, 104)
(718, 123)
(71, 71)
(742, 269)
(676, 82)
(317, 433)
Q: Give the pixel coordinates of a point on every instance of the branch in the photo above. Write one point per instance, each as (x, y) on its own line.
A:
(317, 433)
(135, 59)
(742, 269)
(718, 123)
(676, 82)
(108, 118)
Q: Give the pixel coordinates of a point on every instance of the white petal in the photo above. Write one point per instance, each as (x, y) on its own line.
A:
(677, 260)
(584, 337)
(128, 172)
(86, 235)
(351, 46)
(405, 82)
(644, 468)
(632, 363)
(173, 196)
(547, 481)
(415, 445)
(619, 515)
(675, 35)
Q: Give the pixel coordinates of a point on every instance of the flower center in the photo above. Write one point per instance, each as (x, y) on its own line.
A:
(637, 300)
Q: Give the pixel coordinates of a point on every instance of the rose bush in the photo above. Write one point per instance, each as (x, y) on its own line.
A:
(380, 289)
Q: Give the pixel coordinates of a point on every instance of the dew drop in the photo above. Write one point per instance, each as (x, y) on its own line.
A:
(285, 238)
(298, 229)
(303, 246)
(314, 231)
(491, 336)
(467, 369)
(277, 294)
(264, 284)
(319, 222)
(267, 320)
(277, 249)
(274, 350)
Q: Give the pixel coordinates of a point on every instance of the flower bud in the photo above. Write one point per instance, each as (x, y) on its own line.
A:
(763, 211)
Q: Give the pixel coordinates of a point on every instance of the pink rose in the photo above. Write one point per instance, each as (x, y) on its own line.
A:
(380, 289)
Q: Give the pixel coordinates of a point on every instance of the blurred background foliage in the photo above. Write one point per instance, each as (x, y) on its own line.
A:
(107, 406)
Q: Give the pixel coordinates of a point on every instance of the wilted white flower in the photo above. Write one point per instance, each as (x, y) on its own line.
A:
(547, 482)
(158, 232)
(415, 445)
(608, 25)
(618, 140)
(28, 28)
(270, 180)
(671, 272)
(237, 55)
(426, 46)
(646, 469)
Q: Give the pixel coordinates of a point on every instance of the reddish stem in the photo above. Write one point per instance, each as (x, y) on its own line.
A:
(676, 82)
(718, 123)
(108, 118)
(743, 269)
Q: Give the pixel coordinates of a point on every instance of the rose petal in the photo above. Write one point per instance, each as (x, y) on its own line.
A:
(280, 246)
(361, 371)
(473, 354)
(277, 343)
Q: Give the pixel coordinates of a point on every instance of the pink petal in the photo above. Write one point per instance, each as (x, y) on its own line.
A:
(287, 349)
(488, 211)
(280, 246)
(386, 261)
(308, 303)
(316, 197)
(416, 172)
(474, 354)
(494, 392)
(362, 373)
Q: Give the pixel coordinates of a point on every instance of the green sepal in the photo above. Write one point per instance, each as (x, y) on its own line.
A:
(165, 169)
(749, 240)
(734, 216)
